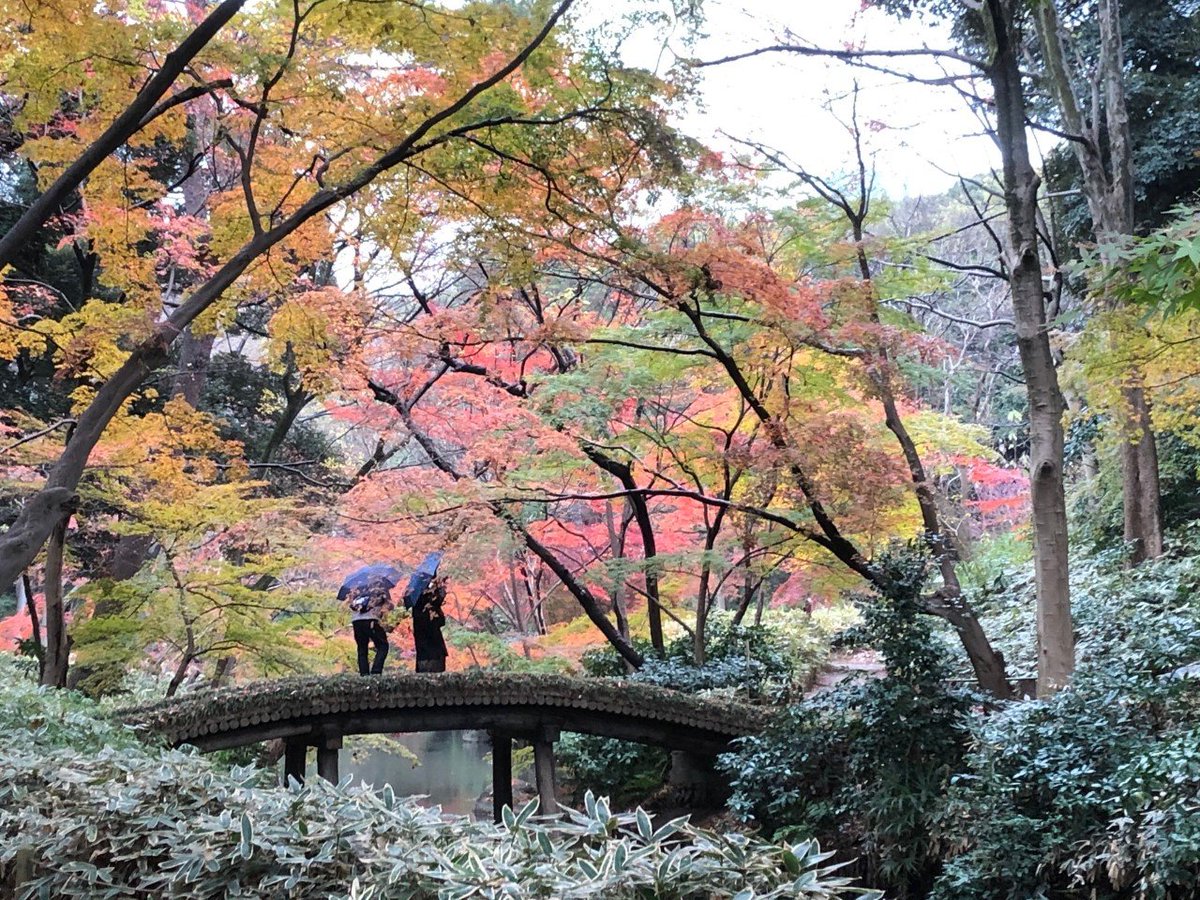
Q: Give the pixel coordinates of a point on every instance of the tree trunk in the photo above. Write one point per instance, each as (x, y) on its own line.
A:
(1108, 187)
(616, 547)
(1056, 642)
(194, 355)
(585, 598)
(58, 645)
(223, 671)
(35, 626)
(515, 589)
(1139, 478)
(748, 587)
(641, 514)
(1139, 458)
(296, 401)
(185, 659)
(699, 648)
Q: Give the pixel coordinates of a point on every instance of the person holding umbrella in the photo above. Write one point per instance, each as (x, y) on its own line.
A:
(368, 591)
(424, 596)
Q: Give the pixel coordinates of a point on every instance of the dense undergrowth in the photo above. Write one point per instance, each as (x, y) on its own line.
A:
(929, 789)
(1094, 792)
(88, 811)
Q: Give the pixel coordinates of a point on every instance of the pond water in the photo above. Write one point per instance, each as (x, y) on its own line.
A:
(452, 772)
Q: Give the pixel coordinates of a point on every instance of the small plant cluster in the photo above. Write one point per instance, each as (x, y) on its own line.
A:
(86, 811)
(759, 663)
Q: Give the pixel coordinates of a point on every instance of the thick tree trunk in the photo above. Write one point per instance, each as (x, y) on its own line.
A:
(1056, 642)
(1108, 187)
(54, 667)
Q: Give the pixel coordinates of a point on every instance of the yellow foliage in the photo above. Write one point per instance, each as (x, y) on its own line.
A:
(1119, 345)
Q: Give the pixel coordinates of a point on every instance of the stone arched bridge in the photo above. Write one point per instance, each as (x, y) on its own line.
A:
(318, 711)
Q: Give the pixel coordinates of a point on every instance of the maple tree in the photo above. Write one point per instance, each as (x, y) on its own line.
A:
(992, 34)
(270, 217)
(283, 159)
(591, 363)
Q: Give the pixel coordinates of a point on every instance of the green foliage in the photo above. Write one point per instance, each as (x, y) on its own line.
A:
(1162, 43)
(995, 562)
(249, 399)
(754, 662)
(1159, 270)
(500, 656)
(8, 603)
(863, 765)
(747, 661)
(624, 770)
(44, 720)
(744, 662)
(1095, 506)
(1095, 789)
(87, 812)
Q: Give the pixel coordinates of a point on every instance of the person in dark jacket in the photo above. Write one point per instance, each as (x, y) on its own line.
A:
(428, 619)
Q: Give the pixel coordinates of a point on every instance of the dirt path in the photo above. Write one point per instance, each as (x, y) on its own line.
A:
(850, 664)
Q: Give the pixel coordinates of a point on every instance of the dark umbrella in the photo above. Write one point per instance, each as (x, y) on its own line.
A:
(368, 577)
(420, 578)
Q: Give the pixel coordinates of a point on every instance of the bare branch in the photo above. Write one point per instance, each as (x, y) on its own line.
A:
(846, 55)
(37, 434)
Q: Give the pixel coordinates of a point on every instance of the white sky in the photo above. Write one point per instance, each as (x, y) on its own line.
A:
(782, 100)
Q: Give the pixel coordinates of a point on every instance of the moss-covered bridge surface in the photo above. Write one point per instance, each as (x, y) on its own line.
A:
(349, 704)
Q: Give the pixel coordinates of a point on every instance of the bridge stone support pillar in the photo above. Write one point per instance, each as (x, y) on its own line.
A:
(694, 781)
(502, 790)
(327, 756)
(295, 756)
(543, 770)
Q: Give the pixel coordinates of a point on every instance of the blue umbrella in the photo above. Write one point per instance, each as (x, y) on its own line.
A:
(369, 577)
(420, 578)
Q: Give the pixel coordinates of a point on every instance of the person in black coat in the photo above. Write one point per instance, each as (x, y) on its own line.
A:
(428, 619)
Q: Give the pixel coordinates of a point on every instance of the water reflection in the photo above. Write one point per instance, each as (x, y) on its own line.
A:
(453, 771)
